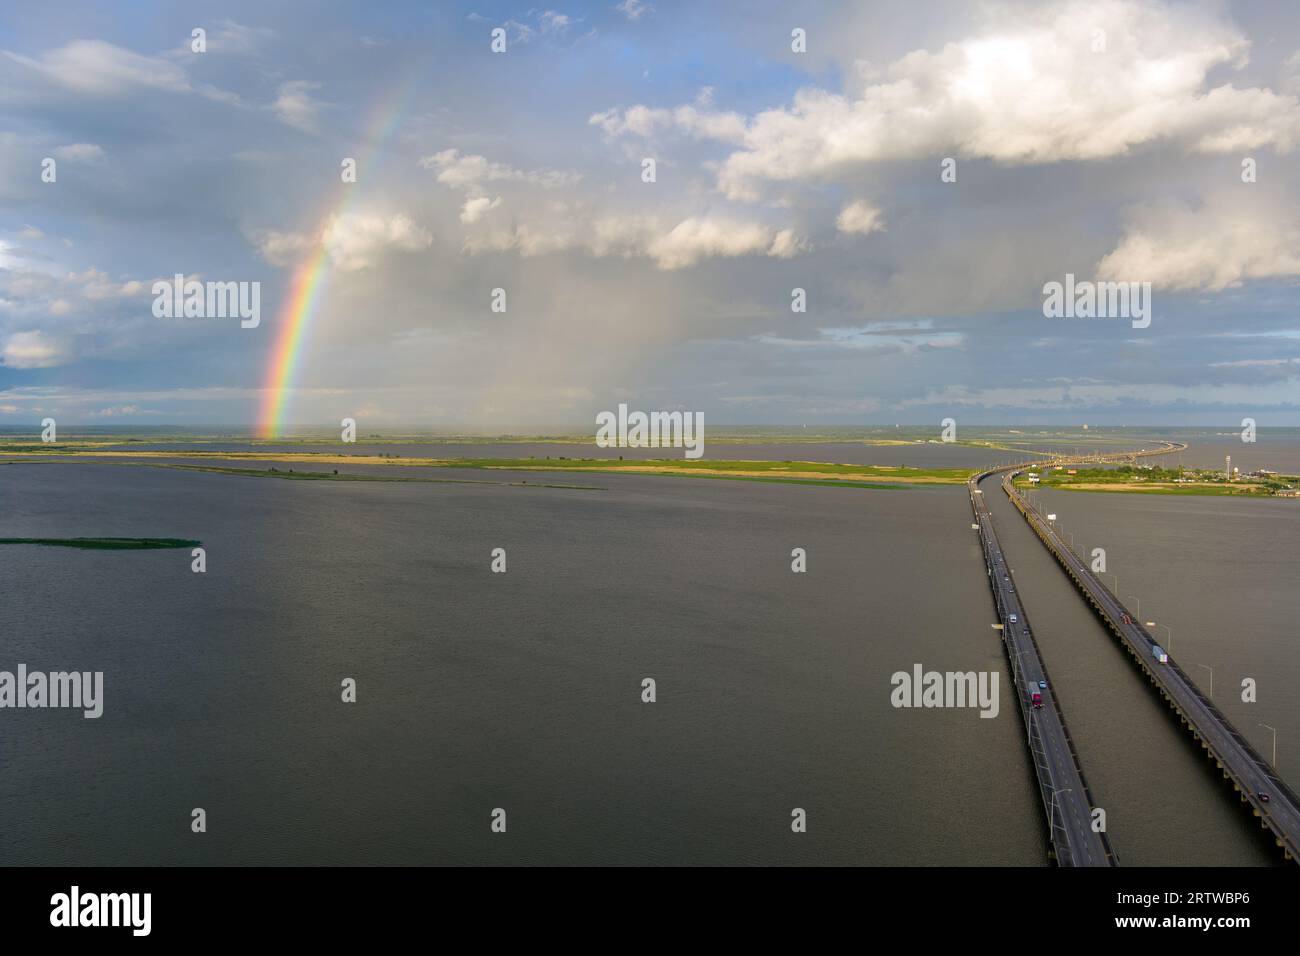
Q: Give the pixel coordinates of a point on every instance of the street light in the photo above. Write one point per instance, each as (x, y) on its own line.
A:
(1051, 812)
(1211, 670)
(1137, 605)
(1274, 729)
(1168, 630)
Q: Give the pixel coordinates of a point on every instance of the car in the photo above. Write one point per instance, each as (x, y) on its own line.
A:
(1042, 684)
(1263, 797)
(1014, 619)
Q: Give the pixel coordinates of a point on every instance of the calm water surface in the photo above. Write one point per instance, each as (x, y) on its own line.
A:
(521, 691)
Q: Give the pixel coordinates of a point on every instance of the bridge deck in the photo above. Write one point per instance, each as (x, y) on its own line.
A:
(1067, 803)
(1249, 772)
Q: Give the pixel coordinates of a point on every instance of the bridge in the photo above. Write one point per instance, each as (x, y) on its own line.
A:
(1261, 790)
(1067, 803)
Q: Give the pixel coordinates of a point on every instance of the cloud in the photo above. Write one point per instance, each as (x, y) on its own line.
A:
(787, 244)
(1218, 246)
(26, 350)
(694, 121)
(102, 69)
(353, 241)
(558, 225)
(236, 39)
(903, 336)
(474, 209)
(117, 411)
(859, 217)
(551, 22)
(698, 238)
(95, 284)
(282, 248)
(460, 171)
(80, 152)
(1028, 88)
(296, 106)
(681, 245)
(634, 9)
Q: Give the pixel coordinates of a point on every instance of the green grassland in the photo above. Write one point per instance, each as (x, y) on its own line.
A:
(1162, 481)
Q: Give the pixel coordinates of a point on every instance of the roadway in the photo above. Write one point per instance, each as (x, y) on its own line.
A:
(1067, 803)
(1250, 774)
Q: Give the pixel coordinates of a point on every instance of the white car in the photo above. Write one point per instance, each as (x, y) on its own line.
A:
(1014, 619)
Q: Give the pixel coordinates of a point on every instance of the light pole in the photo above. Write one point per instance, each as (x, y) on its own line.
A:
(1137, 605)
(1211, 670)
(1274, 729)
(1051, 812)
(1168, 630)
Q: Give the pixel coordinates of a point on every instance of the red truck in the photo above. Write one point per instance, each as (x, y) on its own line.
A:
(1036, 697)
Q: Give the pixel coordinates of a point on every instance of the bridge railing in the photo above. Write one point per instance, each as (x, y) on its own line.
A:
(1087, 581)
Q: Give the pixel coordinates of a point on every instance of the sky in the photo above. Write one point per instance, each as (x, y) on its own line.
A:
(1107, 140)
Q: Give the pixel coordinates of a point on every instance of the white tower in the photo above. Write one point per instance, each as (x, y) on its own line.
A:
(1227, 468)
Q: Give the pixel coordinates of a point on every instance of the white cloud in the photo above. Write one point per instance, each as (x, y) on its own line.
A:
(476, 208)
(100, 68)
(634, 9)
(901, 336)
(684, 244)
(79, 152)
(552, 22)
(696, 121)
(1028, 88)
(296, 106)
(116, 411)
(700, 237)
(33, 350)
(282, 248)
(787, 244)
(1218, 246)
(861, 218)
(353, 241)
(95, 284)
(457, 170)
(233, 38)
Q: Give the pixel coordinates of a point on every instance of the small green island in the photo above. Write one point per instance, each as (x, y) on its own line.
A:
(107, 544)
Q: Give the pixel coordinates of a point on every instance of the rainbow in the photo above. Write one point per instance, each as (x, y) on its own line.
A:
(309, 281)
(311, 276)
